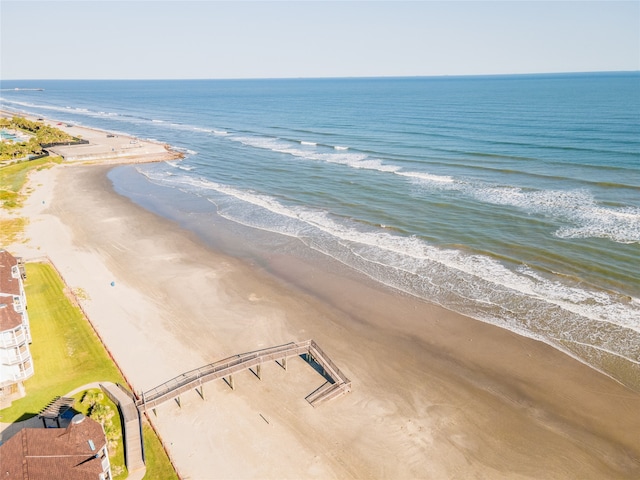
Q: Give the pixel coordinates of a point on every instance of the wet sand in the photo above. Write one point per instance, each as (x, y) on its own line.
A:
(435, 394)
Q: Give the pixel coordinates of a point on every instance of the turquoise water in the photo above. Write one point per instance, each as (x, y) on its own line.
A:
(8, 136)
(512, 199)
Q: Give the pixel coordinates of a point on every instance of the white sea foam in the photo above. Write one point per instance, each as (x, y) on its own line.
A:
(620, 225)
(37, 106)
(185, 150)
(584, 216)
(181, 166)
(103, 114)
(261, 142)
(338, 147)
(303, 142)
(66, 109)
(427, 176)
(510, 298)
(353, 160)
(577, 207)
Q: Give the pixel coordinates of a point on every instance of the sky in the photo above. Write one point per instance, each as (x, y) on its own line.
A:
(288, 39)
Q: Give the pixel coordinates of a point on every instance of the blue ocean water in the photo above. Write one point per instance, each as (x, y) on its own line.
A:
(512, 199)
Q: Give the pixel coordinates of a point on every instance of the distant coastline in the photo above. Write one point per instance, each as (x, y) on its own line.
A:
(605, 73)
(100, 146)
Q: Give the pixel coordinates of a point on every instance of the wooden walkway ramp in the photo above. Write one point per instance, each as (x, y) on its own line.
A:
(337, 383)
(132, 431)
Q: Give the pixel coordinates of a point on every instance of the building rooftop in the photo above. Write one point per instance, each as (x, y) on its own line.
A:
(9, 318)
(70, 453)
(8, 283)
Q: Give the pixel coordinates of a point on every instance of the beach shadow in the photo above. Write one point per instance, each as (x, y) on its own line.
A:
(31, 420)
(321, 387)
(25, 416)
(317, 367)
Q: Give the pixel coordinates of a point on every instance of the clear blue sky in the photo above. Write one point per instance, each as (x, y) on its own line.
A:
(267, 39)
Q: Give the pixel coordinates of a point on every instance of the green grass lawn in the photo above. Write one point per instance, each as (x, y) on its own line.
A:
(158, 465)
(67, 354)
(14, 176)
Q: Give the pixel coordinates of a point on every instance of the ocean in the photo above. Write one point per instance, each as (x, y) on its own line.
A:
(511, 199)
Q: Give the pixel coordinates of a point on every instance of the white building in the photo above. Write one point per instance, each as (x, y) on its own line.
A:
(15, 335)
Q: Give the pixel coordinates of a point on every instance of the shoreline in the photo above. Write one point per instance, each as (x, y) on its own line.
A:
(435, 394)
(266, 248)
(103, 147)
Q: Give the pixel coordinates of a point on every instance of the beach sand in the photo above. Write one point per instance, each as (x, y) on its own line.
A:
(103, 147)
(434, 394)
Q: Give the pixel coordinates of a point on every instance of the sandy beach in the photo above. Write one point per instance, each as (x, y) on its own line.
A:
(435, 395)
(103, 147)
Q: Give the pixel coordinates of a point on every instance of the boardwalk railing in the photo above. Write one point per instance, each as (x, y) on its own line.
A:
(225, 368)
(132, 431)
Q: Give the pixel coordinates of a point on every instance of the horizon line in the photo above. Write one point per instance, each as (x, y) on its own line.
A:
(345, 77)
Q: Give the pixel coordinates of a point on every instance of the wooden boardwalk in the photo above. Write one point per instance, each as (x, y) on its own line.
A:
(132, 431)
(337, 383)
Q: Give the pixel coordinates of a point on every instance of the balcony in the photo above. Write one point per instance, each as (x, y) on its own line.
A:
(12, 357)
(17, 305)
(25, 373)
(13, 338)
(18, 374)
(106, 467)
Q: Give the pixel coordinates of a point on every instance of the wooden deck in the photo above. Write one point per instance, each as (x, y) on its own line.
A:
(338, 384)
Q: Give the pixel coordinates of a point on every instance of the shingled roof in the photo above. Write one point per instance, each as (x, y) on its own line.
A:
(54, 453)
(9, 318)
(9, 284)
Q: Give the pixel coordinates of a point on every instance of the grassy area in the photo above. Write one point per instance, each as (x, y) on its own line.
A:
(67, 354)
(11, 229)
(116, 455)
(158, 465)
(14, 176)
(12, 180)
